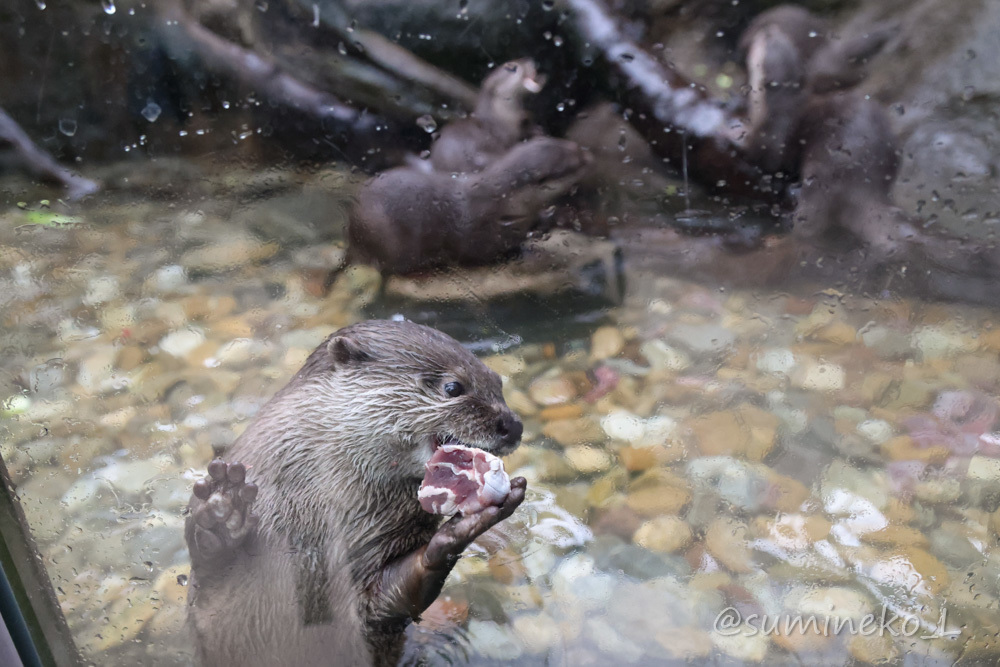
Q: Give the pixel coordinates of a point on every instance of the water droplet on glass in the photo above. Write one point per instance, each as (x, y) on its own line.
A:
(427, 122)
(67, 126)
(627, 57)
(148, 565)
(182, 579)
(342, 48)
(109, 7)
(968, 93)
(561, 106)
(151, 111)
(41, 4)
(557, 40)
(547, 5)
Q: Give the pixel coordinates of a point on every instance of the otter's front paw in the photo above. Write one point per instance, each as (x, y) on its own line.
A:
(221, 511)
(453, 537)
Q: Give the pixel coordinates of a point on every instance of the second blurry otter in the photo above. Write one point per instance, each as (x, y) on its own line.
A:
(840, 143)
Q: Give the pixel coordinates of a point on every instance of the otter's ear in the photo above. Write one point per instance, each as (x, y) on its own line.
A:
(346, 350)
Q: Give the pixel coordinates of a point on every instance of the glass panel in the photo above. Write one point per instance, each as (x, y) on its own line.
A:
(731, 269)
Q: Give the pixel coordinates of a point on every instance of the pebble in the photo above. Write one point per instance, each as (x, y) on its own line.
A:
(492, 641)
(838, 333)
(576, 580)
(606, 342)
(873, 649)
(168, 279)
(876, 430)
(743, 646)
(651, 432)
(559, 412)
(911, 568)
(815, 376)
(538, 633)
(505, 365)
(656, 500)
(886, 343)
(182, 342)
(552, 390)
(935, 342)
(568, 432)
(665, 534)
(97, 371)
(938, 491)
(235, 251)
(702, 340)
(687, 644)
(746, 432)
(903, 448)
(623, 425)
(895, 535)
(779, 361)
(984, 468)
(101, 290)
(726, 539)
(611, 642)
(587, 460)
(663, 357)
(519, 401)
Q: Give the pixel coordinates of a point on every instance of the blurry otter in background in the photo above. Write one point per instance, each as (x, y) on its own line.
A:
(487, 187)
(498, 122)
(408, 220)
(804, 119)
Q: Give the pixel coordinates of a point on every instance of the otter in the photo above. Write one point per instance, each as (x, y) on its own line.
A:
(829, 62)
(308, 543)
(406, 219)
(839, 143)
(499, 121)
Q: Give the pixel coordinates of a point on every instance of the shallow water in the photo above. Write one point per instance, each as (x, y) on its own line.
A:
(691, 451)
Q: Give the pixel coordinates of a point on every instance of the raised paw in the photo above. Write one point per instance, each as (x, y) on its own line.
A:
(221, 515)
(455, 535)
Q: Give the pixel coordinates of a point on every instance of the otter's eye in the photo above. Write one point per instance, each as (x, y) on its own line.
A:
(454, 389)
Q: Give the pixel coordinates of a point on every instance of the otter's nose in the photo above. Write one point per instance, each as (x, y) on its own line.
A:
(509, 428)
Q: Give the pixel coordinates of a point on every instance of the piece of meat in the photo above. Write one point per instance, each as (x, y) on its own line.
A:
(462, 479)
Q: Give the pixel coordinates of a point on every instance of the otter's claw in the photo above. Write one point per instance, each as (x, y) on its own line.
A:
(221, 514)
(454, 536)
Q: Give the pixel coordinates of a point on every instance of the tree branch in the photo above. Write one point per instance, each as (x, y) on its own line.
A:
(669, 111)
(41, 163)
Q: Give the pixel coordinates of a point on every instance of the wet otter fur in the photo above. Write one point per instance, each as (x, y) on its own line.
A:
(308, 544)
(407, 220)
(498, 122)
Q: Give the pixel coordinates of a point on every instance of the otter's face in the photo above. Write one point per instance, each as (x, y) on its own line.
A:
(402, 390)
(468, 410)
(512, 80)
